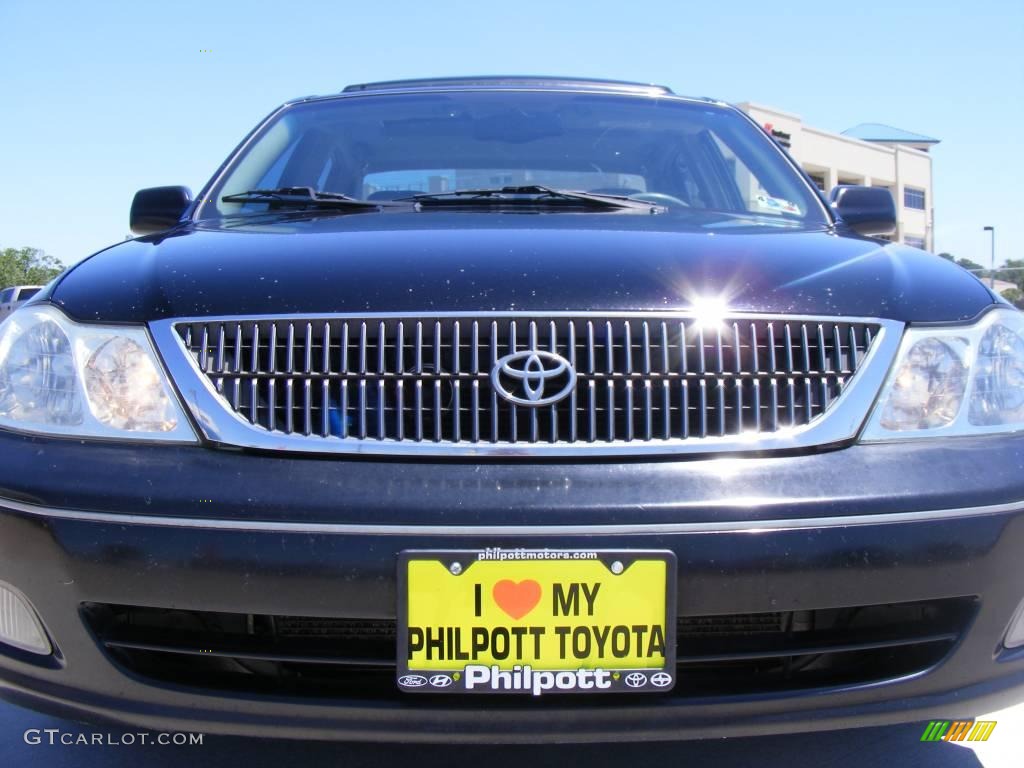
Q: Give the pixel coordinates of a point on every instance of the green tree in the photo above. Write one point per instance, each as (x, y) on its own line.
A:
(1012, 272)
(970, 266)
(27, 266)
(1015, 296)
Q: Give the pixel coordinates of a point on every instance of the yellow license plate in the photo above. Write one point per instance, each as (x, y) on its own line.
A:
(517, 621)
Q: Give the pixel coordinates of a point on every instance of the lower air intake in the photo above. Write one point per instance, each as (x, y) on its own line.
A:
(351, 658)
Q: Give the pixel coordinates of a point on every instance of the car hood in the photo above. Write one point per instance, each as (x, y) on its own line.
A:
(472, 261)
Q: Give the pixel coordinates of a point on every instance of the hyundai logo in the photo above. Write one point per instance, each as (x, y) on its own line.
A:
(533, 377)
(440, 681)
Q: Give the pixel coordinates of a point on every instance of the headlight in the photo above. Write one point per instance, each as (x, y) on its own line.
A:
(66, 378)
(955, 381)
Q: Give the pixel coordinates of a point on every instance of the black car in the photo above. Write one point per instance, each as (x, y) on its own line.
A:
(511, 409)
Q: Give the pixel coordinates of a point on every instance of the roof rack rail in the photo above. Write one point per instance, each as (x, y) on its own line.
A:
(511, 81)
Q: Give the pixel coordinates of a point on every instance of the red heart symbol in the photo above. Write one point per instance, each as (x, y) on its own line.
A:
(516, 600)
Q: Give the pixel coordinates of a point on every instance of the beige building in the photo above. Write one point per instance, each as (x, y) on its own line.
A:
(871, 154)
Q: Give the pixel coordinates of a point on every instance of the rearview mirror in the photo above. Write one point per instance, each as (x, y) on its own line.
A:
(865, 210)
(158, 208)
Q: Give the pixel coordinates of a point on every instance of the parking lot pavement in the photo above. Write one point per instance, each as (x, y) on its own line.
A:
(896, 746)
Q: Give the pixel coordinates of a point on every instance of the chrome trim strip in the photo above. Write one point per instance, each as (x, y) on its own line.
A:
(519, 314)
(220, 424)
(735, 526)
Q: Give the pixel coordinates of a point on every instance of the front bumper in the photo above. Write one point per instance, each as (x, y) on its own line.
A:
(227, 531)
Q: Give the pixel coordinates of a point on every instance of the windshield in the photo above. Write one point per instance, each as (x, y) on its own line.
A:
(687, 156)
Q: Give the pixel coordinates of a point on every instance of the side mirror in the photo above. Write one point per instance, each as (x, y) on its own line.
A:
(865, 210)
(158, 208)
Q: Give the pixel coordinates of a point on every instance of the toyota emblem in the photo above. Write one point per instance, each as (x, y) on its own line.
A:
(661, 679)
(533, 377)
(636, 679)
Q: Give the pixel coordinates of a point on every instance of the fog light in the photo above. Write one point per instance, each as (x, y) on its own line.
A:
(19, 625)
(1015, 634)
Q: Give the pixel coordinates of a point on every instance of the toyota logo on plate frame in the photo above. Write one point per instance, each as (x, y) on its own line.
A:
(533, 377)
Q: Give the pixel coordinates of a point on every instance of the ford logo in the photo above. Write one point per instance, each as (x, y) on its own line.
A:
(533, 377)
(412, 681)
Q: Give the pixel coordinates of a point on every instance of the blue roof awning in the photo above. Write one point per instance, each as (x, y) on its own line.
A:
(887, 133)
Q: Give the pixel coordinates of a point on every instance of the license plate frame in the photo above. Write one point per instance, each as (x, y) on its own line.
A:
(645, 676)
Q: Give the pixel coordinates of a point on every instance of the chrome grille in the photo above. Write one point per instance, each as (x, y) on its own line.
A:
(641, 379)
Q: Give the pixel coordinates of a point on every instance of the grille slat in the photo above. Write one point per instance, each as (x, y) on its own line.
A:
(666, 409)
(272, 383)
(532, 412)
(553, 410)
(362, 409)
(664, 347)
(648, 412)
(513, 346)
(647, 347)
(219, 360)
(684, 411)
(343, 408)
(289, 396)
(253, 380)
(205, 345)
(610, 412)
(236, 396)
(592, 409)
(627, 345)
(343, 351)
(639, 379)
(703, 408)
(419, 410)
(476, 412)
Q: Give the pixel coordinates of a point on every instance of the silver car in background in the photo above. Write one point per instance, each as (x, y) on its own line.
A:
(13, 297)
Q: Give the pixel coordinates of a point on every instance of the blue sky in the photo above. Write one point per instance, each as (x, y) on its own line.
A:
(102, 98)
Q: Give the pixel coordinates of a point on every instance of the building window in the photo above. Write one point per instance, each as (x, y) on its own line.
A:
(818, 179)
(913, 241)
(913, 198)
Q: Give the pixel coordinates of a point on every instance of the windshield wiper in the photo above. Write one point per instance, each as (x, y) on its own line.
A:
(533, 195)
(306, 197)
